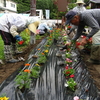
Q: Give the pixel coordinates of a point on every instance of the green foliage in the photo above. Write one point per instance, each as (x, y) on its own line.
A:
(71, 6)
(1, 48)
(71, 84)
(41, 58)
(23, 80)
(68, 55)
(69, 71)
(34, 73)
(46, 51)
(22, 5)
(26, 38)
(36, 67)
(38, 37)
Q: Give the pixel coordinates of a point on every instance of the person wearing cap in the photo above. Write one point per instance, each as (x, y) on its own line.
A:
(79, 8)
(11, 25)
(89, 18)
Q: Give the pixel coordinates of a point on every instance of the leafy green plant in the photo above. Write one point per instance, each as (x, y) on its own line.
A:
(56, 34)
(34, 73)
(68, 61)
(46, 52)
(38, 37)
(36, 67)
(49, 41)
(71, 84)
(42, 58)
(1, 48)
(69, 72)
(68, 55)
(23, 79)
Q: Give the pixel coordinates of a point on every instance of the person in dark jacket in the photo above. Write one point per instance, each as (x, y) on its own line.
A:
(89, 18)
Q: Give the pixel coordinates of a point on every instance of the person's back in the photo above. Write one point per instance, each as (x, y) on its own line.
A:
(43, 28)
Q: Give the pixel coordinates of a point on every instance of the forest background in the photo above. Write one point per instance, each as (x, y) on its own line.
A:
(24, 5)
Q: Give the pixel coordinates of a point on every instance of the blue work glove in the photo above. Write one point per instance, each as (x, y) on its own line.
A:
(19, 38)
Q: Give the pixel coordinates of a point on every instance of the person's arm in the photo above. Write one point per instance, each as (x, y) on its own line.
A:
(79, 32)
(72, 29)
(13, 30)
(15, 34)
(90, 21)
(47, 27)
(95, 28)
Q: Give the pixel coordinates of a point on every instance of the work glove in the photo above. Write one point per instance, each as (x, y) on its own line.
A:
(19, 38)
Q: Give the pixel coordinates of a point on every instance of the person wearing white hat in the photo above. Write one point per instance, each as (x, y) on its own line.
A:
(79, 8)
(11, 25)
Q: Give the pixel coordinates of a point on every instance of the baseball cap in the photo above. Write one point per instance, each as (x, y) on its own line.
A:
(70, 16)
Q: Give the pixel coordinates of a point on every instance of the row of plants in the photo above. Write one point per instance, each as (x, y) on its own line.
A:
(23, 80)
(26, 76)
(69, 72)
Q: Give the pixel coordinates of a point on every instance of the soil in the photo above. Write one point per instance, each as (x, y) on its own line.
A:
(8, 68)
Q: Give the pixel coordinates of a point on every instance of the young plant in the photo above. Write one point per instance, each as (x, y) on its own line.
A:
(23, 79)
(41, 58)
(46, 52)
(69, 72)
(68, 55)
(35, 71)
(71, 84)
(36, 67)
(68, 61)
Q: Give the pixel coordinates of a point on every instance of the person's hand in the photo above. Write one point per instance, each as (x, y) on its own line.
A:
(68, 43)
(19, 38)
(51, 31)
(83, 41)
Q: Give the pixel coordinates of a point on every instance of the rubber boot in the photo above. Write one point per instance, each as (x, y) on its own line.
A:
(8, 54)
(15, 50)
